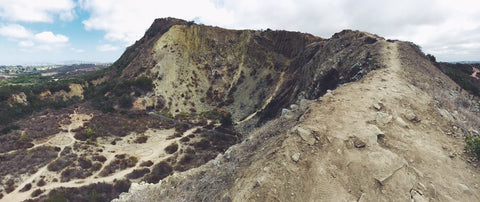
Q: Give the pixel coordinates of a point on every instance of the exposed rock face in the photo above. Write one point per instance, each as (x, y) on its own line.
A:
(196, 67)
(343, 149)
(20, 98)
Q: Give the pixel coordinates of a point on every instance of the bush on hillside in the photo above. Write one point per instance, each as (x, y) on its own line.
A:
(473, 145)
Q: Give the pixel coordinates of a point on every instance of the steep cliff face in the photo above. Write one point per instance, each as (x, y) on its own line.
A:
(196, 68)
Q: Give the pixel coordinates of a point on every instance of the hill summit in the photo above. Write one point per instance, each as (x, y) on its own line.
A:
(392, 130)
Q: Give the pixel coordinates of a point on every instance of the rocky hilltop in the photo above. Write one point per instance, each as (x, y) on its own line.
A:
(395, 135)
(200, 113)
(196, 68)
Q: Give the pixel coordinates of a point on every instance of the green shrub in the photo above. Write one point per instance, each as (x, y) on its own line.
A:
(126, 101)
(144, 83)
(56, 197)
(473, 145)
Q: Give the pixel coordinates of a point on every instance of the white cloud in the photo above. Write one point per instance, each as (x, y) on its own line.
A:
(25, 38)
(25, 44)
(433, 24)
(127, 21)
(77, 50)
(37, 11)
(107, 47)
(15, 31)
(50, 38)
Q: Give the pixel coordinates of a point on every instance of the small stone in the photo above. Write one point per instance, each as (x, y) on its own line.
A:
(306, 135)
(401, 122)
(294, 107)
(362, 197)
(377, 106)
(465, 189)
(358, 143)
(296, 157)
(286, 113)
(422, 187)
(383, 118)
(411, 116)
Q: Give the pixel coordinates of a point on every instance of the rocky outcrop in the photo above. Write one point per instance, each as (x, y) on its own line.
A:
(249, 73)
(20, 98)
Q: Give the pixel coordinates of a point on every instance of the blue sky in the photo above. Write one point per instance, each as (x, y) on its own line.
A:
(57, 31)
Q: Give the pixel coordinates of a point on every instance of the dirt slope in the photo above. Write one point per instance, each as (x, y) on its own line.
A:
(387, 137)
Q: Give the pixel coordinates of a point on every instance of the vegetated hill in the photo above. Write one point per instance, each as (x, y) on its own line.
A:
(196, 68)
(464, 74)
(395, 135)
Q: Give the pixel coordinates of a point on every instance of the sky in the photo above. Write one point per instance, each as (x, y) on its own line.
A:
(66, 31)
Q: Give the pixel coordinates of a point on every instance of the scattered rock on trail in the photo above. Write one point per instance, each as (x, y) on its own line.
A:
(296, 157)
(401, 122)
(465, 189)
(383, 118)
(306, 135)
(357, 143)
(411, 116)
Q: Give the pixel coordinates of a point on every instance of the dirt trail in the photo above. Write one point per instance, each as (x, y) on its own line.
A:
(59, 140)
(379, 139)
(151, 150)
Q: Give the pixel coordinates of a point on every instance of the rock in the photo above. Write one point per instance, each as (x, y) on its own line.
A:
(377, 106)
(294, 107)
(411, 116)
(286, 113)
(465, 189)
(362, 198)
(444, 113)
(422, 187)
(304, 102)
(296, 157)
(375, 133)
(357, 143)
(417, 196)
(306, 135)
(401, 122)
(20, 98)
(383, 118)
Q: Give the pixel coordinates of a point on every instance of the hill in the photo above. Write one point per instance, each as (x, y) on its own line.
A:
(243, 115)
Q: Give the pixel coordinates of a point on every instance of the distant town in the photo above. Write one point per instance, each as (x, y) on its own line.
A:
(13, 70)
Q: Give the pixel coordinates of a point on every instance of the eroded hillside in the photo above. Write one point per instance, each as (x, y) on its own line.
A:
(170, 109)
(387, 137)
(196, 68)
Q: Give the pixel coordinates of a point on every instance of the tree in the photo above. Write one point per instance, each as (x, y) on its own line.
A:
(431, 58)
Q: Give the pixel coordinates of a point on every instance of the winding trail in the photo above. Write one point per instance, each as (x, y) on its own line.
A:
(152, 150)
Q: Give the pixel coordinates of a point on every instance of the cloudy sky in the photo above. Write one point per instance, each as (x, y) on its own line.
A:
(55, 31)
